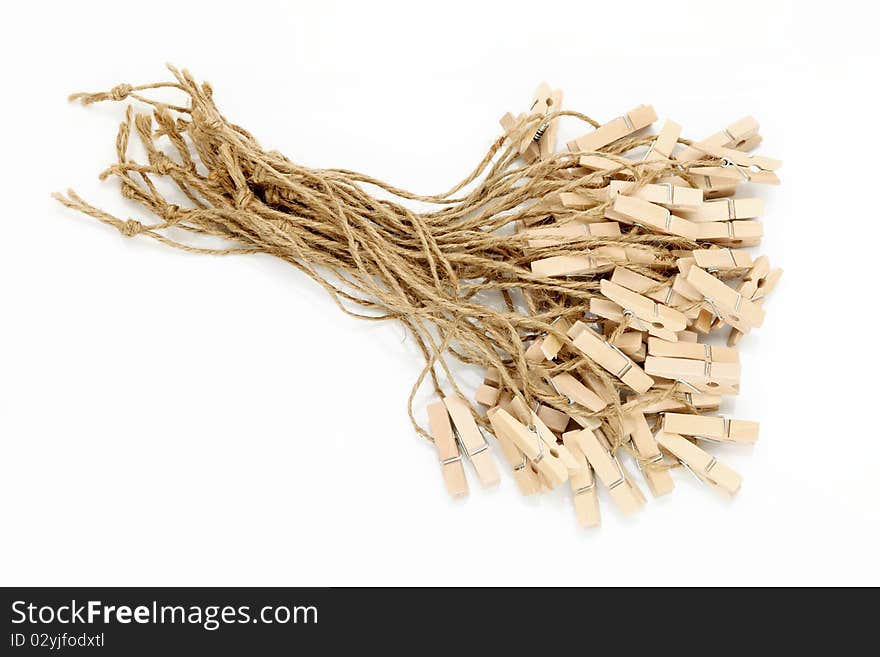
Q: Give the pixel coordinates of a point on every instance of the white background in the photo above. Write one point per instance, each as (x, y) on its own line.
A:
(185, 420)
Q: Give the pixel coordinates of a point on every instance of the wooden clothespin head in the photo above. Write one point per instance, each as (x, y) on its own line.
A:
(583, 485)
(471, 440)
(650, 458)
(447, 448)
(609, 357)
(524, 474)
(705, 467)
(609, 471)
(545, 459)
(725, 302)
(712, 428)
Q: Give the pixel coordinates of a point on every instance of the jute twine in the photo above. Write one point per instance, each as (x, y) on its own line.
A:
(422, 269)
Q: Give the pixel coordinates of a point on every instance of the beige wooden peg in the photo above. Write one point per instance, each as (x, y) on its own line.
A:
(510, 122)
(556, 421)
(609, 471)
(653, 314)
(593, 261)
(656, 217)
(611, 358)
(705, 375)
(634, 120)
(727, 303)
(568, 386)
(473, 444)
(728, 209)
(546, 460)
(667, 138)
(673, 196)
(702, 401)
(570, 232)
(583, 486)
(725, 258)
(701, 464)
(552, 345)
(711, 427)
(650, 288)
(649, 457)
(450, 459)
(525, 478)
(735, 134)
(551, 444)
(705, 352)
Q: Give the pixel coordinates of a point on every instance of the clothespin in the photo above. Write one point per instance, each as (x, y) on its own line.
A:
(674, 196)
(751, 168)
(577, 393)
(572, 231)
(610, 472)
(733, 135)
(545, 459)
(702, 465)
(758, 282)
(550, 442)
(551, 345)
(629, 342)
(715, 188)
(634, 120)
(654, 316)
(710, 427)
(726, 303)
(656, 217)
(609, 357)
(728, 209)
(699, 400)
(489, 392)
(659, 480)
(667, 138)
(695, 364)
(593, 261)
(583, 485)
(450, 459)
(510, 122)
(722, 258)
(473, 443)
(526, 479)
(556, 421)
(650, 288)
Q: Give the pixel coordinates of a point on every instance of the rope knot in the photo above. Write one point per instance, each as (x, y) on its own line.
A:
(171, 213)
(120, 92)
(131, 228)
(163, 165)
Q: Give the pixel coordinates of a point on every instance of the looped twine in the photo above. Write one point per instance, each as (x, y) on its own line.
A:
(163, 165)
(120, 92)
(131, 227)
(172, 214)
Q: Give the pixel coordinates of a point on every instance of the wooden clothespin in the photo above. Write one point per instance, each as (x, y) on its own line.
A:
(638, 211)
(699, 400)
(728, 209)
(609, 357)
(570, 232)
(710, 427)
(667, 194)
(726, 303)
(551, 444)
(556, 421)
(667, 138)
(568, 386)
(525, 478)
(652, 316)
(650, 288)
(583, 485)
(546, 460)
(734, 135)
(702, 465)
(739, 166)
(634, 120)
(542, 142)
(490, 390)
(704, 367)
(593, 261)
(610, 472)
(450, 459)
(472, 442)
(726, 258)
(756, 285)
(659, 479)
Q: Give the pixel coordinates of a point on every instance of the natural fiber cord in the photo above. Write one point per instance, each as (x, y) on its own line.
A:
(458, 277)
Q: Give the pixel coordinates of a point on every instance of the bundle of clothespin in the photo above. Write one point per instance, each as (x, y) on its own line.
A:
(591, 320)
(635, 375)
